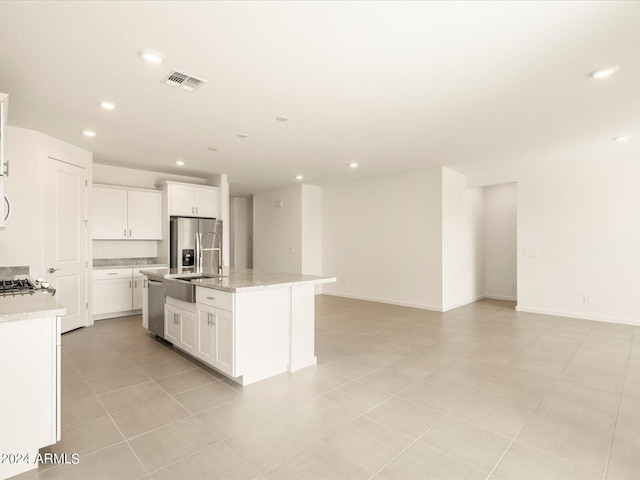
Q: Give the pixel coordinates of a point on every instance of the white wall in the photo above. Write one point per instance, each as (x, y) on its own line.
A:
(277, 231)
(311, 254)
(382, 238)
(23, 238)
(241, 232)
(462, 241)
(584, 220)
(500, 238)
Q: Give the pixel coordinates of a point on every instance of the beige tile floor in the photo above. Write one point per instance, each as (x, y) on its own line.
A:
(398, 394)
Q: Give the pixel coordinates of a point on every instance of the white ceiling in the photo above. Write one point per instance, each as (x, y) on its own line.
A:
(394, 86)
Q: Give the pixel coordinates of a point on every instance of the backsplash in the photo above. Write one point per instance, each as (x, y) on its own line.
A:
(123, 262)
(104, 249)
(7, 273)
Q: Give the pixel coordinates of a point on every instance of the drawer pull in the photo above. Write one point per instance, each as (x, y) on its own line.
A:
(211, 298)
(112, 273)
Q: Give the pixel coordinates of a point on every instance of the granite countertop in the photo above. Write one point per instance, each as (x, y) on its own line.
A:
(26, 307)
(235, 279)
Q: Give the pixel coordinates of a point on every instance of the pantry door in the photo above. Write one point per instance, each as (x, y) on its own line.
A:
(65, 224)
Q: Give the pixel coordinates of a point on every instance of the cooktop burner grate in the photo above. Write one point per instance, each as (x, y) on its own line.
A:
(16, 287)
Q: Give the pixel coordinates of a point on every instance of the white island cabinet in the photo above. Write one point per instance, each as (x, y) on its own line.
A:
(30, 378)
(247, 325)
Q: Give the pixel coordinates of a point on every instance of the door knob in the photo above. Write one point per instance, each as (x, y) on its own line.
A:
(51, 269)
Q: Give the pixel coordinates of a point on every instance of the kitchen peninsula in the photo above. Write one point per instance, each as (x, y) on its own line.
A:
(247, 324)
(30, 376)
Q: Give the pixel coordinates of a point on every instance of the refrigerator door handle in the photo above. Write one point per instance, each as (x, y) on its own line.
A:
(198, 253)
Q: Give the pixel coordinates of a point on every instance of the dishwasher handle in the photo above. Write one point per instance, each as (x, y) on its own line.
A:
(154, 282)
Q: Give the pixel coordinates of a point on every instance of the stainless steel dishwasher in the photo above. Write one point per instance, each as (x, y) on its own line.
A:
(155, 307)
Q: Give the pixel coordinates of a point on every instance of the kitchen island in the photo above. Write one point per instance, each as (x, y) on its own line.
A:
(247, 324)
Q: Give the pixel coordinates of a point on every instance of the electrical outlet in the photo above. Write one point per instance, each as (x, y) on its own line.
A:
(292, 250)
(530, 252)
(586, 298)
(514, 285)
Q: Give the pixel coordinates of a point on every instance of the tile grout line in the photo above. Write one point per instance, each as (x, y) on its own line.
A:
(447, 414)
(118, 428)
(615, 425)
(515, 438)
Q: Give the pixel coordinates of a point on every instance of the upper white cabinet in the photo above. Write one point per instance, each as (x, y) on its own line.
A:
(187, 200)
(126, 214)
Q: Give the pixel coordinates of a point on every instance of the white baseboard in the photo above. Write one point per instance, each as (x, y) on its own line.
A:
(304, 363)
(385, 300)
(105, 316)
(581, 316)
(462, 304)
(501, 297)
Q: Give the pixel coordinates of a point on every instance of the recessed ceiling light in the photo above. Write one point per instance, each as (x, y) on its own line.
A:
(243, 135)
(622, 138)
(213, 149)
(89, 133)
(282, 119)
(604, 72)
(108, 105)
(179, 163)
(151, 56)
(299, 177)
(353, 165)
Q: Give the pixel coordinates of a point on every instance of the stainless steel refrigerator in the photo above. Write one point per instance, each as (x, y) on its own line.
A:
(196, 243)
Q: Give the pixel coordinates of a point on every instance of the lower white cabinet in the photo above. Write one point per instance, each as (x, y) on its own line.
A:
(112, 296)
(139, 284)
(30, 404)
(180, 328)
(215, 344)
(119, 291)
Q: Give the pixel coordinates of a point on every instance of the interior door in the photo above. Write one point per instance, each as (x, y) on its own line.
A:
(65, 248)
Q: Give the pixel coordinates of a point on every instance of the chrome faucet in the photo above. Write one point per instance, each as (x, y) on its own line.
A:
(200, 250)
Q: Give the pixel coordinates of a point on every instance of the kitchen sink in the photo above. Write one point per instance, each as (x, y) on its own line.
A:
(181, 288)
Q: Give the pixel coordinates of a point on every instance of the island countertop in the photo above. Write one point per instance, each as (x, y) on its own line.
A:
(239, 279)
(25, 307)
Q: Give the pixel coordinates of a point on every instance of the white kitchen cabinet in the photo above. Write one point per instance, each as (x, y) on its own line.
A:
(144, 214)
(187, 200)
(112, 295)
(171, 316)
(180, 328)
(30, 374)
(109, 213)
(126, 214)
(139, 283)
(118, 291)
(215, 342)
(145, 302)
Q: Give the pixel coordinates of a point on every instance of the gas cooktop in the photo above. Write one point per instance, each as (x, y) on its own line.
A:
(16, 287)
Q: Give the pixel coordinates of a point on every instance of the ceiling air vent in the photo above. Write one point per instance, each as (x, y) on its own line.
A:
(183, 81)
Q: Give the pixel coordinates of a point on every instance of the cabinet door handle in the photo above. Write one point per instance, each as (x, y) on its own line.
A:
(209, 321)
(135, 284)
(129, 283)
(130, 232)
(125, 233)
